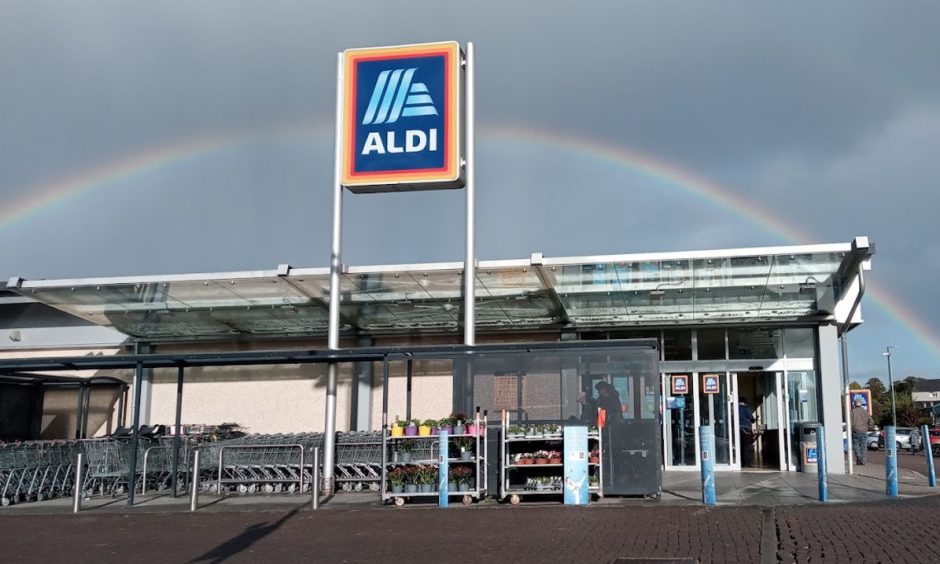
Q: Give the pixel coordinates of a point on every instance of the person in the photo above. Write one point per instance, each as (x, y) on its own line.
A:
(915, 442)
(861, 422)
(588, 409)
(609, 400)
(745, 419)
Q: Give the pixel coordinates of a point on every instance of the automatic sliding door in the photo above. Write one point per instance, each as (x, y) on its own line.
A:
(714, 397)
(679, 423)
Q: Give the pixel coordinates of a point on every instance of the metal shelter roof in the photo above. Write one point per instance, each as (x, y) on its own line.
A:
(771, 284)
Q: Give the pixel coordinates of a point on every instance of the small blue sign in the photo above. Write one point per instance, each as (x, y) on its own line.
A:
(680, 402)
(812, 457)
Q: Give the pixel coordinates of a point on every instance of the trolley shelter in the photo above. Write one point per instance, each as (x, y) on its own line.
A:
(759, 324)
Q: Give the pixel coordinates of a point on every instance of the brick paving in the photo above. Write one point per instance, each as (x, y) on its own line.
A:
(885, 531)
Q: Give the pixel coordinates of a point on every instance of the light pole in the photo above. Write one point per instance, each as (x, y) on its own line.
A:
(894, 413)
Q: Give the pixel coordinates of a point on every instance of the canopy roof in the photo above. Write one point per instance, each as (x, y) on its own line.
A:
(773, 284)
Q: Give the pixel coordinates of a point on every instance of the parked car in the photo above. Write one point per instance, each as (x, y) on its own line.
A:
(935, 441)
(872, 440)
(902, 438)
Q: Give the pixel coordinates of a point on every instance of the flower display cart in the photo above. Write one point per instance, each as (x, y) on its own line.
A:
(411, 462)
(531, 462)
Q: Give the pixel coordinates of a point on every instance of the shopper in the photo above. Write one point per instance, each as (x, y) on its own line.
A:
(745, 434)
(861, 424)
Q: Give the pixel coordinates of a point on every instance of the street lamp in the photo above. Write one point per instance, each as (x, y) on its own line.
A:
(894, 413)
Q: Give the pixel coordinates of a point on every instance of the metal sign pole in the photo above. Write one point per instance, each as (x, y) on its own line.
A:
(891, 461)
(708, 464)
(336, 266)
(469, 323)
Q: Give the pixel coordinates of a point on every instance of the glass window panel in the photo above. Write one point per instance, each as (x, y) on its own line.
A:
(677, 344)
(800, 342)
(755, 343)
(711, 344)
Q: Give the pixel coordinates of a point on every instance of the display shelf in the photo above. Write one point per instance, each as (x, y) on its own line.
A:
(428, 450)
(513, 477)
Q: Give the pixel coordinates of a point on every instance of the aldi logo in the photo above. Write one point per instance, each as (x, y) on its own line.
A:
(401, 118)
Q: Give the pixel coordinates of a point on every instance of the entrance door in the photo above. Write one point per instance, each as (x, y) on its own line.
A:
(679, 421)
(716, 396)
(763, 442)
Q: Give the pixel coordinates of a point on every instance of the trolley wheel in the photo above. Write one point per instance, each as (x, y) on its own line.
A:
(399, 501)
(6, 501)
(467, 500)
(514, 499)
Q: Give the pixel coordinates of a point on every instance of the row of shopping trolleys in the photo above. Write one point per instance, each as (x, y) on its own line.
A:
(270, 464)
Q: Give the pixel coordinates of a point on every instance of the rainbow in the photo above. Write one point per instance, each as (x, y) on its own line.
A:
(41, 198)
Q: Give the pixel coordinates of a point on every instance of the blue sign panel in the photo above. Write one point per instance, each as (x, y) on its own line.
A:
(576, 466)
(401, 118)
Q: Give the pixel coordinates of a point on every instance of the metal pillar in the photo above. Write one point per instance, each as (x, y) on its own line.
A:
(178, 428)
(194, 483)
(469, 323)
(336, 266)
(135, 440)
(361, 409)
(408, 376)
(843, 341)
(315, 502)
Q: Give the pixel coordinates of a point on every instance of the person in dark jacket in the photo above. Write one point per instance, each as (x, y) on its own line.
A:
(746, 434)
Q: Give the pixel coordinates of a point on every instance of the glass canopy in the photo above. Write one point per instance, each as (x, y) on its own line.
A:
(741, 285)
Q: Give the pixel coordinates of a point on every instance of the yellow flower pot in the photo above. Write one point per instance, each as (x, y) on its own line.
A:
(398, 431)
(424, 431)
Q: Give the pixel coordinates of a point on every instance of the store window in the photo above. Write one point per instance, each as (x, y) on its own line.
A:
(711, 344)
(799, 342)
(755, 343)
(677, 344)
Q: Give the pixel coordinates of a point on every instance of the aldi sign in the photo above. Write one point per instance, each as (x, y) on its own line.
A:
(401, 118)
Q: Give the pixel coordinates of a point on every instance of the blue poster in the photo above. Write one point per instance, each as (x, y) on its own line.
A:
(576, 466)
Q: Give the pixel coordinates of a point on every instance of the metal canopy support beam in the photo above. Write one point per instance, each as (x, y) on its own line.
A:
(135, 439)
(336, 266)
(178, 428)
(469, 278)
(562, 313)
(361, 409)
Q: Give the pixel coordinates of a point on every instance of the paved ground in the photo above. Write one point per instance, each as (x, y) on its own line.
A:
(761, 517)
(886, 531)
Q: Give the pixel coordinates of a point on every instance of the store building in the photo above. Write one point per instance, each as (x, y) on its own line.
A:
(762, 325)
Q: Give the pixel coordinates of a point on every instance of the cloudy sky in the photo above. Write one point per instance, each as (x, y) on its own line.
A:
(179, 136)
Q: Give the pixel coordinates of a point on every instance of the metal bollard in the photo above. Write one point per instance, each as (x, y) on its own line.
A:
(194, 494)
(77, 490)
(891, 461)
(821, 464)
(315, 486)
(708, 464)
(928, 451)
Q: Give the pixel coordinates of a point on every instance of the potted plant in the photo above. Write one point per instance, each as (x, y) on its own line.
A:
(532, 432)
(541, 457)
(593, 481)
(463, 476)
(453, 474)
(594, 457)
(411, 479)
(515, 431)
(426, 478)
(397, 429)
(424, 428)
(525, 458)
(405, 448)
(411, 428)
(554, 457)
(465, 445)
(446, 424)
(460, 422)
(396, 477)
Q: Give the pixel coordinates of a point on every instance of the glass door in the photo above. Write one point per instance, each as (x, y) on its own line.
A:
(716, 398)
(679, 420)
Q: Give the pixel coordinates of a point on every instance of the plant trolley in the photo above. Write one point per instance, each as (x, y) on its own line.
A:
(413, 455)
(531, 462)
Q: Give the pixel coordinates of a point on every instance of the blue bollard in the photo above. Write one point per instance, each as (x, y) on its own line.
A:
(821, 464)
(442, 452)
(707, 461)
(928, 451)
(891, 461)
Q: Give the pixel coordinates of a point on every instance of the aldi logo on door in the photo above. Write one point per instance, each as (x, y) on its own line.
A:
(401, 118)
